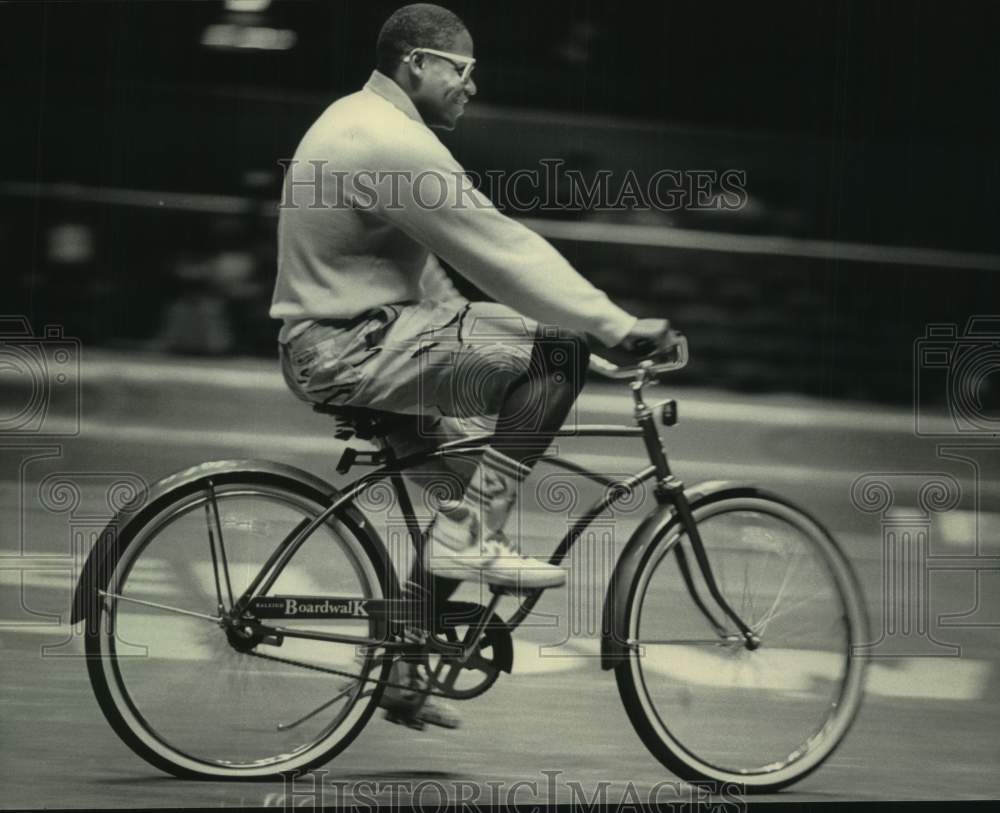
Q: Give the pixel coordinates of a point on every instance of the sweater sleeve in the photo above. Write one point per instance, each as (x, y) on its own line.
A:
(435, 285)
(420, 188)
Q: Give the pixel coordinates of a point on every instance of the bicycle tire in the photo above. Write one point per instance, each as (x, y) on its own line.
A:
(104, 634)
(705, 677)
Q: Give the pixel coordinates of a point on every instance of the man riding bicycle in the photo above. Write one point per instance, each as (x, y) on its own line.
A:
(370, 320)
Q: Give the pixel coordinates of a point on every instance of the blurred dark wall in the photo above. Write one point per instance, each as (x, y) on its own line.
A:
(870, 122)
(892, 105)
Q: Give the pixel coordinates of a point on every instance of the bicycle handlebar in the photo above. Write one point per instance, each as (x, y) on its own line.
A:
(673, 357)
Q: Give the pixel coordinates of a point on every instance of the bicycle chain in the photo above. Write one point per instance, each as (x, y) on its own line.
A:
(340, 673)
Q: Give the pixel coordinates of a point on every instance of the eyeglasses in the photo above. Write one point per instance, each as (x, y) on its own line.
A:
(463, 64)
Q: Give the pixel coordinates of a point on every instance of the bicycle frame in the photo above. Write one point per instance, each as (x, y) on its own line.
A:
(669, 490)
(458, 649)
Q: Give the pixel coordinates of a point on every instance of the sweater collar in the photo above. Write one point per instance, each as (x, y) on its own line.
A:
(385, 87)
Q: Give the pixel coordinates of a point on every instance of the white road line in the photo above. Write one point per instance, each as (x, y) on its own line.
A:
(797, 670)
(950, 679)
(531, 659)
(752, 410)
(58, 576)
(951, 529)
(930, 678)
(57, 579)
(289, 444)
(233, 439)
(789, 670)
(184, 640)
(693, 471)
(295, 580)
(304, 444)
(807, 672)
(960, 528)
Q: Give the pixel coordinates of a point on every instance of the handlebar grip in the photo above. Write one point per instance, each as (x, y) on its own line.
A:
(644, 347)
(622, 364)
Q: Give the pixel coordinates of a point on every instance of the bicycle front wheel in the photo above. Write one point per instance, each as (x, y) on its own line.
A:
(178, 686)
(704, 704)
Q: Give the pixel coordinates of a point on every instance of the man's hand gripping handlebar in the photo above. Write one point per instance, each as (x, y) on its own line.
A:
(651, 340)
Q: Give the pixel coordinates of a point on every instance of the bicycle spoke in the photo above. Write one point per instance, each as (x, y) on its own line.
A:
(222, 545)
(769, 615)
(213, 618)
(801, 603)
(343, 693)
(746, 599)
(763, 571)
(722, 641)
(215, 560)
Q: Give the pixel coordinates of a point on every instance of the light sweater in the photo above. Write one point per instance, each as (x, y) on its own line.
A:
(372, 195)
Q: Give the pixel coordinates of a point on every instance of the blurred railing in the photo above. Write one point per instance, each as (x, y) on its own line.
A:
(193, 273)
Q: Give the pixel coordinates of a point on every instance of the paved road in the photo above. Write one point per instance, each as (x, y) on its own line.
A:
(927, 730)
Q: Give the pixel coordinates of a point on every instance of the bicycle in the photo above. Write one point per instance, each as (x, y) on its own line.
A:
(267, 592)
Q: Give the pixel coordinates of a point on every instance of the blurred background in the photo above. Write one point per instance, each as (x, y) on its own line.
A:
(831, 323)
(139, 174)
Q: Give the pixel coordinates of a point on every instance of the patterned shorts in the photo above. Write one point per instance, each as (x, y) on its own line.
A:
(449, 366)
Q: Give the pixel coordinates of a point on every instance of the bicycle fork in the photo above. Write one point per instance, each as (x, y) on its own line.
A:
(670, 489)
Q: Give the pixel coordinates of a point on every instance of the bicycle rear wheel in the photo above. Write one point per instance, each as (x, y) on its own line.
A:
(706, 706)
(186, 694)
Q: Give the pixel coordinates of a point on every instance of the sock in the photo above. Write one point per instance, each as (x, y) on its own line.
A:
(486, 503)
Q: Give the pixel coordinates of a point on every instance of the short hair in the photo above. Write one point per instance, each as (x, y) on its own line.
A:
(418, 25)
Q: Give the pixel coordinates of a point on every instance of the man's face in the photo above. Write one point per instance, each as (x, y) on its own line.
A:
(441, 96)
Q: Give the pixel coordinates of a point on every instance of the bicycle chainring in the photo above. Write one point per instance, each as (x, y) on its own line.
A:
(492, 655)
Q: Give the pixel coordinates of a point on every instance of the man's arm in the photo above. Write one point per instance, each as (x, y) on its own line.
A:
(425, 192)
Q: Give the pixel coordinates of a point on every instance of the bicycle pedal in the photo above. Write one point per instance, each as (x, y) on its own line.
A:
(405, 720)
(505, 590)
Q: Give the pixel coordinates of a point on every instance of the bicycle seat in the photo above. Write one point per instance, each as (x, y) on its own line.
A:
(364, 424)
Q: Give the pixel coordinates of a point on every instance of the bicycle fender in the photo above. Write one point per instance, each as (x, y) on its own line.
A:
(614, 627)
(97, 568)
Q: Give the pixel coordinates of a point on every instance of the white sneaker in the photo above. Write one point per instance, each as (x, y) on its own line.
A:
(494, 560)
